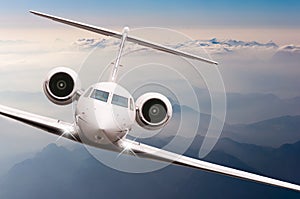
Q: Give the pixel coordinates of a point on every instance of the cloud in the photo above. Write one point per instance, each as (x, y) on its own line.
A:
(288, 54)
(24, 63)
(13, 42)
(90, 43)
(245, 65)
(29, 47)
(17, 46)
(290, 48)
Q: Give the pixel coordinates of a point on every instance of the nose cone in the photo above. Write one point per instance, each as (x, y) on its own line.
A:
(107, 123)
(95, 119)
(103, 117)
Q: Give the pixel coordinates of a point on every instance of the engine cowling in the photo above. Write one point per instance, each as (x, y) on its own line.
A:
(61, 85)
(154, 111)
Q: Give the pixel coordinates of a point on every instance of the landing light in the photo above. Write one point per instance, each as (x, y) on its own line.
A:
(67, 133)
(127, 147)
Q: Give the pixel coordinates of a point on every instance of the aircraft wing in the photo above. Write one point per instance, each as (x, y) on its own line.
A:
(68, 131)
(145, 151)
(118, 35)
(50, 125)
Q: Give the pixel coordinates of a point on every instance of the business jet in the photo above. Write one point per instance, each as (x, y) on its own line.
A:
(106, 111)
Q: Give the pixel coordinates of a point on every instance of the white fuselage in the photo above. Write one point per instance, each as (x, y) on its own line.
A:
(105, 112)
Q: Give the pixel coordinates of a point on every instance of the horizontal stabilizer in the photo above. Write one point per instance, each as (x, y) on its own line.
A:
(118, 35)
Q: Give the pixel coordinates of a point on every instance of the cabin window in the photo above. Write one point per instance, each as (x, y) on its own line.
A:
(120, 101)
(100, 95)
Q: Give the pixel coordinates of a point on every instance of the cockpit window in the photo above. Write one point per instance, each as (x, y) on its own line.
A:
(100, 95)
(120, 101)
(131, 104)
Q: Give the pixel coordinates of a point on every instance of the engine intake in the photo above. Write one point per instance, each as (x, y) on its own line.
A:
(61, 85)
(153, 111)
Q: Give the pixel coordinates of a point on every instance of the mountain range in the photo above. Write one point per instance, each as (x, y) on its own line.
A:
(226, 45)
(214, 46)
(272, 132)
(246, 108)
(56, 172)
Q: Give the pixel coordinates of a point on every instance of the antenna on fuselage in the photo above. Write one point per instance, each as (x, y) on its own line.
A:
(117, 62)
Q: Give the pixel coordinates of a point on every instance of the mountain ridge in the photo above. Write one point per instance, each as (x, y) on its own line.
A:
(60, 173)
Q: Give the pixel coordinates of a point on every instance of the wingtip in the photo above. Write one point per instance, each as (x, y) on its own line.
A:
(35, 12)
(213, 62)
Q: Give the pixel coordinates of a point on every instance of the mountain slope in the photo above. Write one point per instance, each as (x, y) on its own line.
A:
(59, 173)
(272, 132)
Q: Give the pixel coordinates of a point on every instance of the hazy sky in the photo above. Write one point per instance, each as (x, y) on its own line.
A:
(189, 13)
(31, 46)
(253, 20)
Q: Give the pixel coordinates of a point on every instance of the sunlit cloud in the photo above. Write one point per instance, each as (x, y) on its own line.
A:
(28, 62)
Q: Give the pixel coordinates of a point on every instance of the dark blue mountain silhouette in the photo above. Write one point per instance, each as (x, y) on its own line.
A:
(272, 132)
(56, 172)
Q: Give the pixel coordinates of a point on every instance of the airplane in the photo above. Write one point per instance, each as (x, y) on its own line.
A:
(96, 125)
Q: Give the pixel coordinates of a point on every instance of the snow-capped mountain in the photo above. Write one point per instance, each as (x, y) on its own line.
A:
(226, 46)
(89, 43)
(229, 43)
(213, 45)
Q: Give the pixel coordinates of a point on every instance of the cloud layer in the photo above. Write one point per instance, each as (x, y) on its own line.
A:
(245, 65)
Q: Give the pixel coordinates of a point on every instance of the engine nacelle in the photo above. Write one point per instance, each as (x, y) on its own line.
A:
(61, 85)
(153, 111)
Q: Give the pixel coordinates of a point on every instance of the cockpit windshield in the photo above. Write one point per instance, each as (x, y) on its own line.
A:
(100, 95)
(116, 99)
(120, 100)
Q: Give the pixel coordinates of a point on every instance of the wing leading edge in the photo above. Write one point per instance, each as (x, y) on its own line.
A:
(50, 125)
(118, 35)
(145, 151)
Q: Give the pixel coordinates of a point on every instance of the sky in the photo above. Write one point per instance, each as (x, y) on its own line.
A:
(253, 20)
(176, 13)
(31, 46)
(29, 43)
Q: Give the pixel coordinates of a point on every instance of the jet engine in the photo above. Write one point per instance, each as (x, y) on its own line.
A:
(153, 111)
(61, 85)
